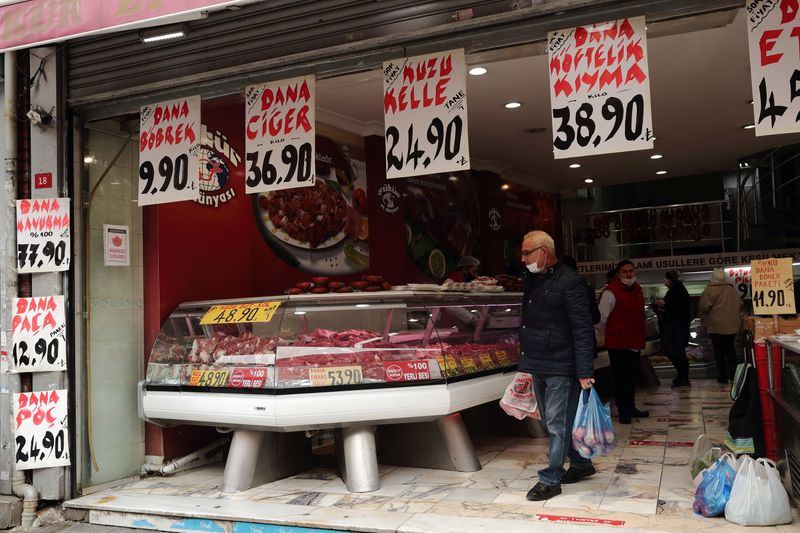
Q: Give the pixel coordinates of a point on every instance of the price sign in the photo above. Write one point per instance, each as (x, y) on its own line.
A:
(600, 89)
(209, 378)
(280, 135)
(335, 375)
(240, 313)
(249, 378)
(425, 114)
(487, 361)
(408, 370)
(773, 286)
(39, 335)
(41, 437)
(774, 65)
(469, 365)
(502, 358)
(739, 277)
(43, 235)
(169, 151)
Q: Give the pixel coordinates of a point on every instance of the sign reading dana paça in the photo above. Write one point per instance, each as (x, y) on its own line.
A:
(38, 335)
(425, 114)
(600, 88)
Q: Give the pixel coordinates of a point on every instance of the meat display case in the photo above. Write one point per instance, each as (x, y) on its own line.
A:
(353, 362)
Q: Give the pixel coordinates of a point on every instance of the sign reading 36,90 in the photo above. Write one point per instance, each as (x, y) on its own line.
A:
(425, 114)
(600, 89)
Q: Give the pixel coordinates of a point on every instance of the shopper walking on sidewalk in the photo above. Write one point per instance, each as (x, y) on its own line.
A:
(623, 327)
(557, 343)
(677, 316)
(720, 311)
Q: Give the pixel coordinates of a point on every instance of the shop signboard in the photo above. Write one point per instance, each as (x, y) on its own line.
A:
(280, 133)
(772, 36)
(600, 88)
(40, 429)
(38, 335)
(425, 114)
(43, 235)
(116, 245)
(169, 151)
(773, 286)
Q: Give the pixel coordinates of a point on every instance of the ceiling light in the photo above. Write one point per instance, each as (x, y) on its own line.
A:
(362, 305)
(505, 186)
(588, 180)
(164, 33)
(656, 156)
(575, 165)
(300, 312)
(88, 159)
(477, 71)
(512, 105)
(749, 126)
(661, 172)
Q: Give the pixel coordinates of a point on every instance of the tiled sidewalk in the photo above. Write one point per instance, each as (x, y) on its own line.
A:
(644, 484)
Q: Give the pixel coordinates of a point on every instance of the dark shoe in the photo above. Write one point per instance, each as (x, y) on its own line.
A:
(542, 491)
(624, 419)
(640, 414)
(574, 475)
(681, 383)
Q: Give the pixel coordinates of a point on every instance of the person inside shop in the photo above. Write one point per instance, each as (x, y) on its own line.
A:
(557, 349)
(720, 310)
(467, 269)
(676, 313)
(622, 325)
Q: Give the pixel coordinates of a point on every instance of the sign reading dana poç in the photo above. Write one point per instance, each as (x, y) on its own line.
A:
(692, 262)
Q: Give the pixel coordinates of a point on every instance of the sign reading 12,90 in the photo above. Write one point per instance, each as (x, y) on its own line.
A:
(425, 114)
(280, 135)
(169, 150)
(600, 89)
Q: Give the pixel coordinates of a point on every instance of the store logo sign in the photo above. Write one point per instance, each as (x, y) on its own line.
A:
(495, 220)
(218, 159)
(389, 198)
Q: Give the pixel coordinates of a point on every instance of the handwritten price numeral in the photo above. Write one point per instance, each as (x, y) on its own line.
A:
(445, 140)
(52, 444)
(173, 173)
(584, 130)
(299, 162)
(769, 298)
(50, 253)
(45, 350)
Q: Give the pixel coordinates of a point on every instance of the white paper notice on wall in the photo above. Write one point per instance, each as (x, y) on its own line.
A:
(38, 335)
(600, 88)
(40, 429)
(43, 235)
(280, 133)
(772, 35)
(169, 151)
(116, 245)
(425, 114)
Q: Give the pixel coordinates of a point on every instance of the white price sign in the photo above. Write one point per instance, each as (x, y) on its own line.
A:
(38, 335)
(280, 134)
(600, 89)
(772, 35)
(43, 235)
(425, 114)
(169, 151)
(41, 437)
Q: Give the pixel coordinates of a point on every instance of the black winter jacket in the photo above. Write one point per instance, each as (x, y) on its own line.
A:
(557, 336)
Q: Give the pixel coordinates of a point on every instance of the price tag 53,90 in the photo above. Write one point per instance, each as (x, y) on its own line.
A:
(335, 375)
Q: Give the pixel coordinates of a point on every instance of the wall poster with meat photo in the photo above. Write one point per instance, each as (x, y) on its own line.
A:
(321, 229)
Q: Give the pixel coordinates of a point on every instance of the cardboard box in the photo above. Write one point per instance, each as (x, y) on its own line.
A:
(763, 326)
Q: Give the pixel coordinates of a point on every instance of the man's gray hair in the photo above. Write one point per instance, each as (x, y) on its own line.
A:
(542, 239)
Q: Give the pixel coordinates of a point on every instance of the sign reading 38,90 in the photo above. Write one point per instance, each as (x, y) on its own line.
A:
(600, 89)
(425, 114)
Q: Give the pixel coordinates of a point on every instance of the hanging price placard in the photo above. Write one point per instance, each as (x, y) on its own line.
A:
(774, 65)
(600, 89)
(280, 135)
(773, 286)
(169, 151)
(425, 114)
(240, 313)
(41, 437)
(38, 335)
(43, 235)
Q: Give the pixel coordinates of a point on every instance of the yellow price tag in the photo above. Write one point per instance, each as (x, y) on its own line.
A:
(469, 365)
(502, 356)
(486, 361)
(209, 378)
(240, 313)
(335, 375)
(452, 365)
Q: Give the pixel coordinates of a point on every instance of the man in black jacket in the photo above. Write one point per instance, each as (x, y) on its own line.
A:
(557, 343)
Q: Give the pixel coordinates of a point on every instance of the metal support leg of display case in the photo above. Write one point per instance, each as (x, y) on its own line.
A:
(258, 457)
(242, 459)
(458, 443)
(358, 458)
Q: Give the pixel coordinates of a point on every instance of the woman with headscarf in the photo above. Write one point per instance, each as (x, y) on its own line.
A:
(720, 308)
(677, 309)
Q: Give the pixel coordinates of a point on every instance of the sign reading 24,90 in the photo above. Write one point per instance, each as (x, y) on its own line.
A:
(600, 89)
(425, 114)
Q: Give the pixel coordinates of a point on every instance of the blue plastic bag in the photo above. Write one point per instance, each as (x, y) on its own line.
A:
(714, 490)
(593, 431)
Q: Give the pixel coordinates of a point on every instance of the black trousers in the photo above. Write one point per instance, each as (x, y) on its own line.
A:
(673, 345)
(725, 354)
(625, 367)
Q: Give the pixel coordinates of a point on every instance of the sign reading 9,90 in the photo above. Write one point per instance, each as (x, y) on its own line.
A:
(600, 89)
(169, 151)
(425, 114)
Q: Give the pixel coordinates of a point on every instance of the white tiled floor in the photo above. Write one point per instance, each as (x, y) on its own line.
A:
(641, 487)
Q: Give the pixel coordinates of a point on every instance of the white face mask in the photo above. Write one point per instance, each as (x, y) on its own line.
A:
(534, 267)
(628, 282)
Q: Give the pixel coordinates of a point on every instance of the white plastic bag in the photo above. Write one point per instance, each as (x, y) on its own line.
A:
(519, 400)
(758, 497)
